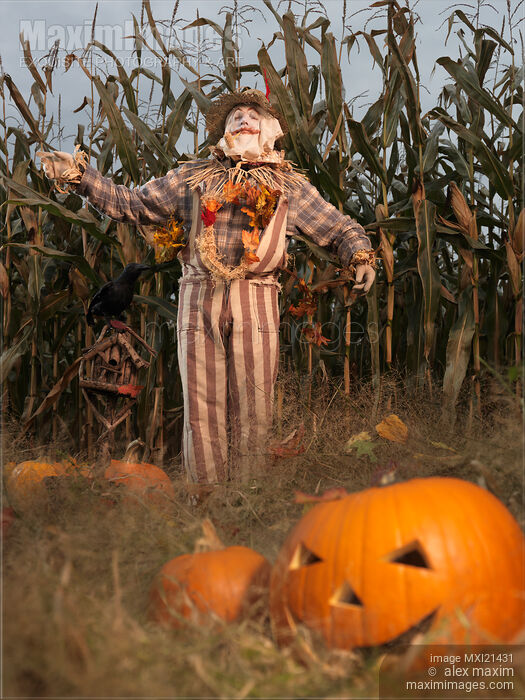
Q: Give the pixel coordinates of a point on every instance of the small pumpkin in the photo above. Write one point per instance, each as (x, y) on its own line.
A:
(142, 482)
(373, 567)
(27, 484)
(228, 583)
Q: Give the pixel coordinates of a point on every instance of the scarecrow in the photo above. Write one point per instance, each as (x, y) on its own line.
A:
(237, 209)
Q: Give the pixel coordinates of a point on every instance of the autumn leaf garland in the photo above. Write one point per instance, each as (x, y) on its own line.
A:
(260, 206)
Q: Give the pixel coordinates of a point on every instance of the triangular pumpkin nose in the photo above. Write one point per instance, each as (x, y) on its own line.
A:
(345, 595)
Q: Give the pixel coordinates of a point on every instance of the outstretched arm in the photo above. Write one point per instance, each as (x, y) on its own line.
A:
(329, 228)
(153, 203)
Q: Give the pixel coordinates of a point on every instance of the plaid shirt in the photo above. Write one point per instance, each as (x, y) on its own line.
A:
(170, 197)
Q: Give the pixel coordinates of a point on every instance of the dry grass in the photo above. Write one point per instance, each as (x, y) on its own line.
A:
(76, 578)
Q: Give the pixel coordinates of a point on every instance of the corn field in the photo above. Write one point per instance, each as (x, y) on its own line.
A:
(440, 194)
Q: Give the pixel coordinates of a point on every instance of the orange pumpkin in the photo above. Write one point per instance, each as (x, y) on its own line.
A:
(374, 566)
(228, 583)
(142, 482)
(26, 483)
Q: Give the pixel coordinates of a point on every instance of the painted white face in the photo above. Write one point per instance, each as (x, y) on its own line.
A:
(244, 120)
(249, 133)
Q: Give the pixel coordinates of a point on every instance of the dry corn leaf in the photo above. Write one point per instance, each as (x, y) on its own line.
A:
(4, 281)
(387, 254)
(392, 428)
(514, 269)
(291, 446)
(78, 283)
(518, 235)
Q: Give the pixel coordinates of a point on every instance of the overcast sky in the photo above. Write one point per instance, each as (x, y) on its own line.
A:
(70, 20)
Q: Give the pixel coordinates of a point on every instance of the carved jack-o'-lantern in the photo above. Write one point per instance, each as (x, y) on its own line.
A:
(374, 566)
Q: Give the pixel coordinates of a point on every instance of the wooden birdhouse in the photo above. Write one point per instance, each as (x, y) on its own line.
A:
(108, 374)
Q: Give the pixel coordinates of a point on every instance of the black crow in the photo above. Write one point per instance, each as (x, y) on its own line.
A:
(115, 296)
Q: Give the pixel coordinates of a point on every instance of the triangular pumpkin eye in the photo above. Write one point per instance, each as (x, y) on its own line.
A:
(345, 595)
(303, 556)
(411, 554)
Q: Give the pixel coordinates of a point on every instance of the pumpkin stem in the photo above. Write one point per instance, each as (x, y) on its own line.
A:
(210, 540)
(133, 450)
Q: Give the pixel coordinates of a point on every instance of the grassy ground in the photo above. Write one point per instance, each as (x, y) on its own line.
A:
(76, 577)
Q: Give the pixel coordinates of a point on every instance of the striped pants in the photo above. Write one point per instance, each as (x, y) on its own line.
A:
(228, 350)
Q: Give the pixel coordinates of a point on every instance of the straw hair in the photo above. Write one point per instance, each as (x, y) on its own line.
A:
(223, 105)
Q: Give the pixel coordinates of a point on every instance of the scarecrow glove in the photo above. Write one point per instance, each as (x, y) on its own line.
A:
(364, 278)
(64, 168)
(56, 163)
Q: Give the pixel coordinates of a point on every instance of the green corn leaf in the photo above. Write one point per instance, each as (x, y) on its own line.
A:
(332, 80)
(430, 153)
(16, 350)
(124, 78)
(412, 100)
(459, 346)
(374, 50)
(29, 197)
(138, 39)
(484, 61)
(154, 30)
(364, 147)
(22, 106)
(167, 96)
(297, 65)
(176, 119)
(161, 306)
(499, 177)
(425, 213)
(372, 326)
(121, 135)
(203, 102)
(77, 260)
(275, 14)
(149, 138)
(228, 53)
(318, 251)
(202, 21)
(393, 106)
(284, 98)
(467, 81)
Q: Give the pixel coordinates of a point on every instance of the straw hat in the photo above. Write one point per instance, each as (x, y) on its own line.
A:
(223, 105)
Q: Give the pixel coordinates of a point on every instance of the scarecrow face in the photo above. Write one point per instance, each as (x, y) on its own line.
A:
(244, 120)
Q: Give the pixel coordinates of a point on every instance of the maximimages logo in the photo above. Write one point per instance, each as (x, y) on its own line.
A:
(43, 36)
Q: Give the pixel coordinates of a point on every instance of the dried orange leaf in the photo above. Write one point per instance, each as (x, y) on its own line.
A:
(291, 446)
(251, 257)
(330, 495)
(392, 428)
